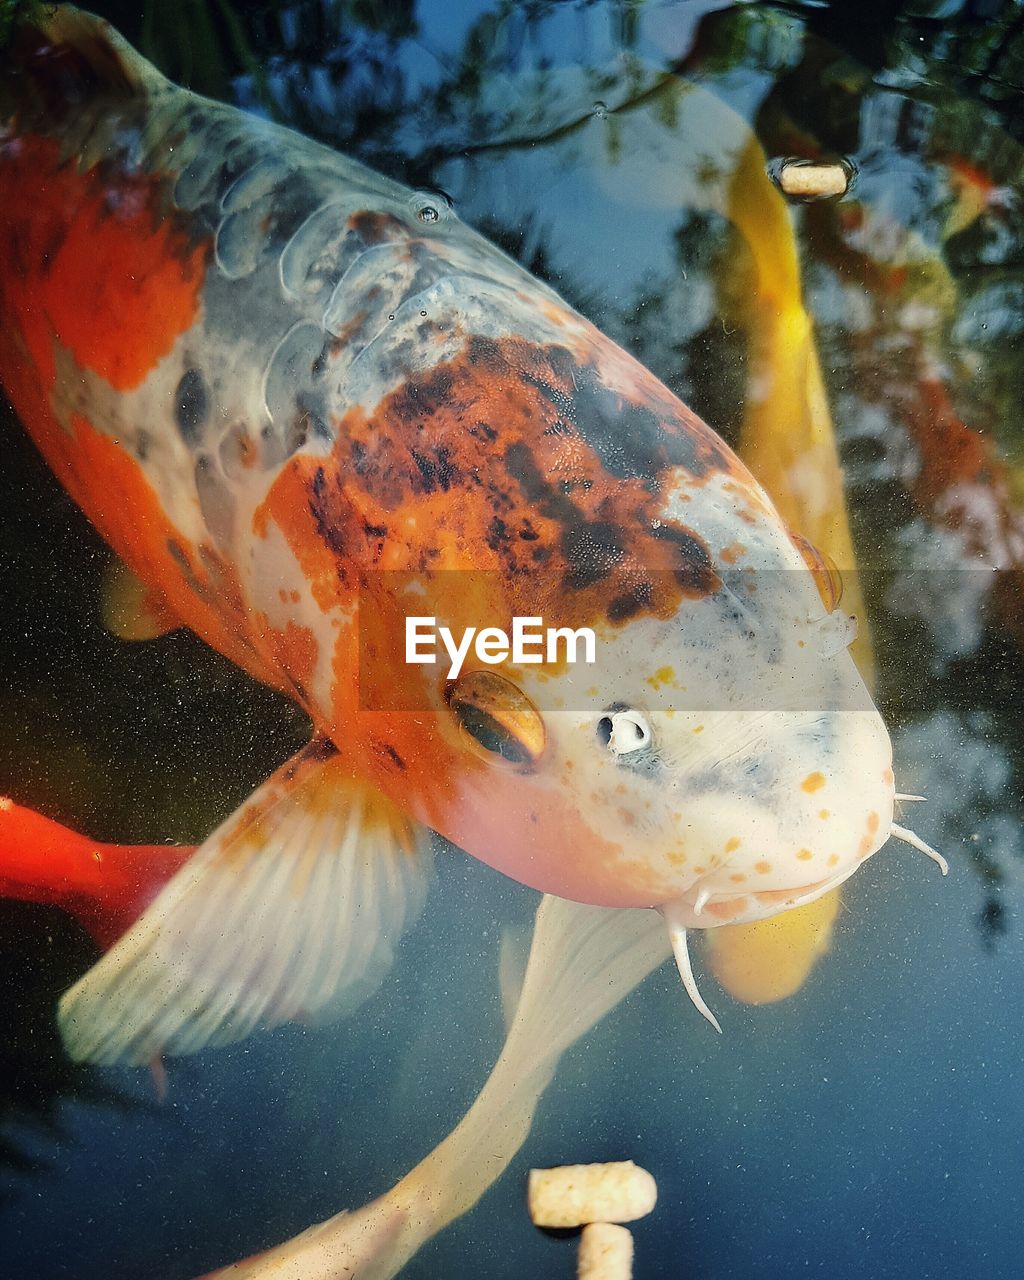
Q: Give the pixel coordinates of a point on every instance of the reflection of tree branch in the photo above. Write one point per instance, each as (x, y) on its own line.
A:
(438, 155)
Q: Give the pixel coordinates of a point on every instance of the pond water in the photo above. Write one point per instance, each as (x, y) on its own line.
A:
(872, 1123)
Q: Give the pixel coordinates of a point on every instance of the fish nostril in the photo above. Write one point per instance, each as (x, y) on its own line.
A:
(604, 730)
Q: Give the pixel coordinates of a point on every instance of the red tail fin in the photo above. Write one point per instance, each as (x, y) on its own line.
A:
(104, 886)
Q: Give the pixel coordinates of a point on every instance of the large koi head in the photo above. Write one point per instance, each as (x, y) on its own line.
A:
(721, 759)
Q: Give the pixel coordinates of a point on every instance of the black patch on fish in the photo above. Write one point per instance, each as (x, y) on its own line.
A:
(386, 749)
(319, 749)
(696, 569)
(191, 405)
(592, 548)
(485, 354)
(437, 472)
(497, 533)
(319, 365)
(630, 603)
(319, 506)
(631, 440)
(423, 397)
(65, 72)
(593, 551)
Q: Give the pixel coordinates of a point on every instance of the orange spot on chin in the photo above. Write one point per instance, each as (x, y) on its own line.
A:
(732, 844)
(833, 859)
(763, 867)
(699, 871)
(732, 553)
(888, 777)
(864, 848)
(699, 729)
(872, 822)
(738, 877)
(805, 855)
(813, 782)
(823, 814)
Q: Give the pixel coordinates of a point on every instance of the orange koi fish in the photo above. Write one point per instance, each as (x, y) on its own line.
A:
(305, 404)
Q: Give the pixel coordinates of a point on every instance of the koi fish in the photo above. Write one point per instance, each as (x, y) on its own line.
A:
(300, 400)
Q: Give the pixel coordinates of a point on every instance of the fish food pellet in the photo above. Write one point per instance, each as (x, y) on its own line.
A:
(813, 181)
(606, 1253)
(576, 1194)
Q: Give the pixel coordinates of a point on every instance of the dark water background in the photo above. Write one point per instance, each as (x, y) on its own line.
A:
(874, 1123)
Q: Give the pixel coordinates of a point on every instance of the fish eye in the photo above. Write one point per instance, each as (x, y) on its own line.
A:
(431, 205)
(624, 731)
(827, 577)
(498, 716)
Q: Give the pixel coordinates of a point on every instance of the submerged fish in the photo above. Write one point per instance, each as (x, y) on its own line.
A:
(302, 402)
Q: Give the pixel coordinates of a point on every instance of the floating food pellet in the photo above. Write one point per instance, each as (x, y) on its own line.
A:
(576, 1194)
(606, 1253)
(805, 180)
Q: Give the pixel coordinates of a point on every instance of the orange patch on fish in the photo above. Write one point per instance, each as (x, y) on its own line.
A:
(813, 782)
(91, 262)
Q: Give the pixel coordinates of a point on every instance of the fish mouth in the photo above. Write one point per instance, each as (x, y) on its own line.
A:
(704, 912)
(699, 909)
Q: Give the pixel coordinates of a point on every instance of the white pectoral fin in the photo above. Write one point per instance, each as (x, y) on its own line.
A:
(291, 907)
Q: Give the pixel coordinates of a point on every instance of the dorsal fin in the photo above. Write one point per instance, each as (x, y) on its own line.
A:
(72, 56)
